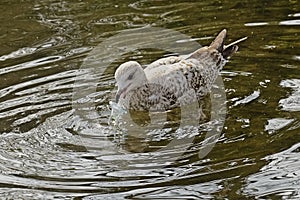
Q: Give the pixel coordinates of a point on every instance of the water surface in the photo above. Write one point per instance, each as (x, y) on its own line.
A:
(49, 150)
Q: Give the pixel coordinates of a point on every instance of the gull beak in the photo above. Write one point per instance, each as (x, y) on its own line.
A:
(120, 92)
(118, 96)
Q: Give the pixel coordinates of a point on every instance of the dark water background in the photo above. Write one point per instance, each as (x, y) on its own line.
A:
(48, 152)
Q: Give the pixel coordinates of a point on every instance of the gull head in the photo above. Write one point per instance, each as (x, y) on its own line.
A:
(129, 76)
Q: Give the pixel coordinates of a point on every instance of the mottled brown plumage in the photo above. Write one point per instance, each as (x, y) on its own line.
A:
(172, 81)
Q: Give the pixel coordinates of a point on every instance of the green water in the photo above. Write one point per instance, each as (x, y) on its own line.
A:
(52, 146)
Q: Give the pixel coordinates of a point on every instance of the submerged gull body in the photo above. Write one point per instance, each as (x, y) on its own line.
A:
(173, 81)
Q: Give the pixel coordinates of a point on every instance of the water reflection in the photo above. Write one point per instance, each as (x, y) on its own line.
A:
(277, 124)
(291, 103)
(280, 178)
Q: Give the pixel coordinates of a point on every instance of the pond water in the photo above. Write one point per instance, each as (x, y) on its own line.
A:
(56, 137)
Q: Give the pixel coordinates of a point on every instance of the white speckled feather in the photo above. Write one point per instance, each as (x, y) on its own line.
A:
(172, 81)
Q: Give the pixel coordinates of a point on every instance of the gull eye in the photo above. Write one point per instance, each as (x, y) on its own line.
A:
(130, 77)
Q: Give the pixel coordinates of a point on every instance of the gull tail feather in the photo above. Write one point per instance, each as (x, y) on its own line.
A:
(225, 50)
(231, 48)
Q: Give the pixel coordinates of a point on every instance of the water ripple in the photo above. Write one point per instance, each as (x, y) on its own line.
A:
(281, 177)
(30, 64)
(8, 90)
(291, 103)
(48, 152)
(19, 53)
(295, 22)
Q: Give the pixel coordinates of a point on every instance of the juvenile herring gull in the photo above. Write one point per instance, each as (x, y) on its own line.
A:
(172, 81)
